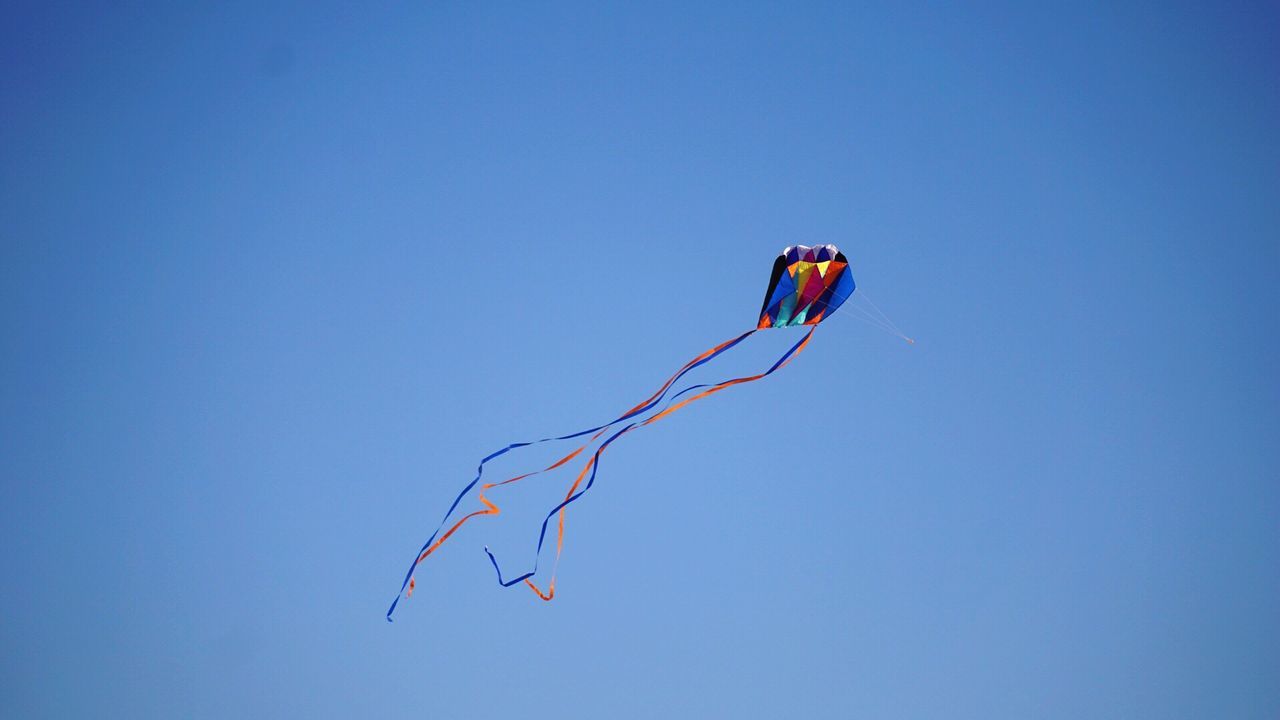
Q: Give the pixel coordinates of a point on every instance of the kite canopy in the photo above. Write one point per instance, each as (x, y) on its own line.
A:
(807, 285)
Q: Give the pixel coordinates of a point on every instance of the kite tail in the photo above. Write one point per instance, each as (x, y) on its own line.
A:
(593, 465)
(436, 539)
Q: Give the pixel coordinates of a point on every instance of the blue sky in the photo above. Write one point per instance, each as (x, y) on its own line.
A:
(274, 277)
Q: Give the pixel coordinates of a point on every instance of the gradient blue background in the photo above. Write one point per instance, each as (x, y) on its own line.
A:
(273, 279)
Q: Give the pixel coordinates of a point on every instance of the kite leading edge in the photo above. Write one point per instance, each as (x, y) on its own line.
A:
(806, 286)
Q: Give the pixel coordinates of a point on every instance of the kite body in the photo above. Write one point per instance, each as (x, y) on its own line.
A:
(807, 285)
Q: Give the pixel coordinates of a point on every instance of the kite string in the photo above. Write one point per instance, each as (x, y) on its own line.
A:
(867, 317)
(861, 313)
(884, 317)
(431, 544)
(593, 465)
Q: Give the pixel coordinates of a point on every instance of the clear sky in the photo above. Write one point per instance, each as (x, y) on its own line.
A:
(274, 278)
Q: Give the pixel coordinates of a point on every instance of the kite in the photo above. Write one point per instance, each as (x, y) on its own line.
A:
(806, 286)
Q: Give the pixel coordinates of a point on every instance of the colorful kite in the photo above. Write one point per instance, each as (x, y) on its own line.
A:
(808, 284)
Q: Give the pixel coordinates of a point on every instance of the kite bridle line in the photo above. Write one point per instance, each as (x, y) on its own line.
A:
(880, 320)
